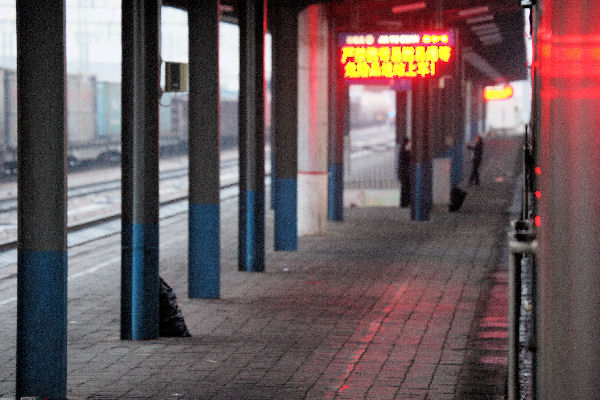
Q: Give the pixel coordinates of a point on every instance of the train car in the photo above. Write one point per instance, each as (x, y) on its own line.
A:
(85, 141)
(9, 121)
(94, 121)
(228, 119)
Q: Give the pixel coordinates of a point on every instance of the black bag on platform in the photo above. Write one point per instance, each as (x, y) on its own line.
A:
(457, 197)
(171, 323)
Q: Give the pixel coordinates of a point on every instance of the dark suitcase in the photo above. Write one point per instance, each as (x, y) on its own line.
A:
(457, 197)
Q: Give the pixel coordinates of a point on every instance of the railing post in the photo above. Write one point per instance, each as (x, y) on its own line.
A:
(521, 241)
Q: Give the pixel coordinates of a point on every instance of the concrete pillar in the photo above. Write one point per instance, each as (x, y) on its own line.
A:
(568, 275)
(480, 110)
(204, 188)
(421, 176)
(284, 126)
(402, 117)
(42, 214)
(312, 120)
(468, 90)
(251, 233)
(337, 109)
(402, 98)
(476, 116)
(139, 164)
(455, 136)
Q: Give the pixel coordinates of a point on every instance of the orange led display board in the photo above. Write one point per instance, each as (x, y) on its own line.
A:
(502, 92)
(372, 57)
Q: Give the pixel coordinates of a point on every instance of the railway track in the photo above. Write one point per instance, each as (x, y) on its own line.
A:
(368, 141)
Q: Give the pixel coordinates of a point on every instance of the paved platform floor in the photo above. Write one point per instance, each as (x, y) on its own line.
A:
(381, 307)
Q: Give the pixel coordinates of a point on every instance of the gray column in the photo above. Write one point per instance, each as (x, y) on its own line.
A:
(569, 161)
(139, 263)
(251, 233)
(401, 115)
(337, 108)
(284, 125)
(402, 109)
(42, 215)
(468, 109)
(204, 208)
(312, 120)
(421, 179)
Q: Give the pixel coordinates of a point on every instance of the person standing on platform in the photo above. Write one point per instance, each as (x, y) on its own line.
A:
(477, 148)
(404, 172)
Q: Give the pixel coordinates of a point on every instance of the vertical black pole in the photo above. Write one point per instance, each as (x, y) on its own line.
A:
(284, 127)
(204, 201)
(42, 215)
(251, 246)
(140, 240)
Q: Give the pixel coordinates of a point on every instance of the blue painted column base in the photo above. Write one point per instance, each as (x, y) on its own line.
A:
(421, 198)
(252, 241)
(42, 324)
(455, 154)
(204, 251)
(286, 214)
(126, 263)
(336, 192)
(144, 282)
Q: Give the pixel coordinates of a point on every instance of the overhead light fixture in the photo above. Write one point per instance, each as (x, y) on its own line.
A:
(409, 7)
(484, 27)
(487, 31)
(473, 11)
(488, 41)
(390, 23)
(480, 19)
(490, 37)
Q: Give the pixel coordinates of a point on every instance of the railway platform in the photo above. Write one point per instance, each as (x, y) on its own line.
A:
(381, 307)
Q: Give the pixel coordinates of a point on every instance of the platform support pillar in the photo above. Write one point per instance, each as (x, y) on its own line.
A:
(421, 165)
(204, 188)
(284, 127)
(42, 187)
(139, 168)
(312, 120)
(251, 232)
(337, 109)
(568, 305)
(468, 111)
(402, 109)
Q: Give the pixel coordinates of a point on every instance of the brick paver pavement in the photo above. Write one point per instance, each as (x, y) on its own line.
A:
(380, 308)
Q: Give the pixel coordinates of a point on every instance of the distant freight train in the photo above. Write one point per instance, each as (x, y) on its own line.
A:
(94, 121)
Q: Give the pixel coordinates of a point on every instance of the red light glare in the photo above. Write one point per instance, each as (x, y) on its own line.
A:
(538, 221)
(498, 92)
(538, 194)
(538, 171)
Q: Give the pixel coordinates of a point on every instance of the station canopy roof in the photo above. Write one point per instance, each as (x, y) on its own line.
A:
(491, 32)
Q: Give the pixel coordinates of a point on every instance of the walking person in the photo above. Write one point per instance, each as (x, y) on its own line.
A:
(404, 172)
(477, 148)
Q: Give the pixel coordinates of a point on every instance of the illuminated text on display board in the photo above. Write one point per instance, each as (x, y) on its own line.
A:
(394, 56)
